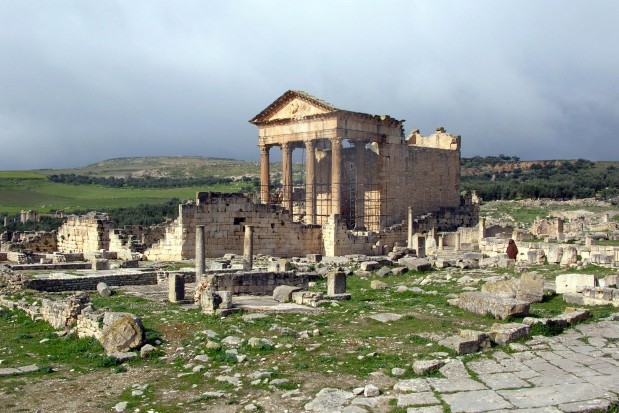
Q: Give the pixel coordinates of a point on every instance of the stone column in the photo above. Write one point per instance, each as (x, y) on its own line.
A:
(176, 288)
(248, 248)
(360, 190)
(457, 242)
(482, 228)
(310, 182)
(200, 262)
(440, 242)
(606, 218)
(409, 241)
(287, 176)
(265, 171)
(336, 176)
(6, 221)
(559, 228)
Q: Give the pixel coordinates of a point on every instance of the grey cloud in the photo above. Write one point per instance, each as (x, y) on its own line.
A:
(85, 81)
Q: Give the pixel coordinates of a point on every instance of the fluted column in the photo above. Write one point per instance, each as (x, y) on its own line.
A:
(287, 175)
(310, 182)
(265, 177)
(336, 175)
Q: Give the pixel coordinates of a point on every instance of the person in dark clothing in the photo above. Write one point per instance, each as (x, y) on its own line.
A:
(512, 250)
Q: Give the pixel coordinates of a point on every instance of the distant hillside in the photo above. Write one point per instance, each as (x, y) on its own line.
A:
(493, 177)
(166, 167)
(507, 177)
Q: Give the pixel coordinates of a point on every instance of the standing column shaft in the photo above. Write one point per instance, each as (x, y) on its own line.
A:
(200, 261)
(482, 228)
(336, 176)
(360, 190)
(310, 182)
(287, 175)
(265, 171)
(409, 240)
(248, 248)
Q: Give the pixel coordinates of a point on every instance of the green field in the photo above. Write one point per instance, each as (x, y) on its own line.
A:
(20, 193)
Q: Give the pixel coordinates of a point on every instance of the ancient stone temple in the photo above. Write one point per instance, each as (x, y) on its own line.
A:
(363, 188)
(358, 166)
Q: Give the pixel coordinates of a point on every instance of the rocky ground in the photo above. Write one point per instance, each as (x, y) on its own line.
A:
(378, 352)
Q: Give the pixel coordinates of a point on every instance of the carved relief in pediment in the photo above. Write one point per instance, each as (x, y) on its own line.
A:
(297, 109)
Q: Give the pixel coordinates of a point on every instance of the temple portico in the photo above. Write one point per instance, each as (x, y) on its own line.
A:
(357, 166)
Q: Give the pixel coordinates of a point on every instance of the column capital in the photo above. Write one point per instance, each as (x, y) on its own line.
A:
(264, 148)
(309, 144)
(286, 146)
(336, 140)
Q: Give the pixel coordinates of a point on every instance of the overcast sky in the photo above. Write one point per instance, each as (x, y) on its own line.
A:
(83, 81)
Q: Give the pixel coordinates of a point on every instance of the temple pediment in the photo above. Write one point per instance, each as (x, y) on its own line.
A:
(297, 109)
(293, 105)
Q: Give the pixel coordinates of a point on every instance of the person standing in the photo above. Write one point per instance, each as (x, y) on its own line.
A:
(512, 250)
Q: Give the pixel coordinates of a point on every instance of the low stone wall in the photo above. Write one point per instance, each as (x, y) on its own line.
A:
(52, 267)
(89, 283)
(256, 283)
(553, 253)
(594, 296)
(90, 324)
(59, 314)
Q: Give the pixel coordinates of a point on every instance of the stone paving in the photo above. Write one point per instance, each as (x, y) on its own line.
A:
(577, 371)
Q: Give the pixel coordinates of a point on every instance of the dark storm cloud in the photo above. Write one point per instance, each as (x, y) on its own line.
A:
(85, 81)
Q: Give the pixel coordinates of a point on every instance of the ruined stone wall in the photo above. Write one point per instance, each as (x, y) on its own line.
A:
(225, 217)
(338, 240)
(550, 227)
(89, 283)
(36, 241)
(255, 283)
(552, 252)
(87, 233)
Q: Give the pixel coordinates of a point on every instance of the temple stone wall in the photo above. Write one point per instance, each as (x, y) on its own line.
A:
(86, 233)
(224, 217)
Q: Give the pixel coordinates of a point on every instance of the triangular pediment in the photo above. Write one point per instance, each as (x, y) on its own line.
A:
(293, 105)
(297, 109)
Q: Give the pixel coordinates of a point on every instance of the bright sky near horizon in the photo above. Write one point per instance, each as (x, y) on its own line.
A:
(84, 81)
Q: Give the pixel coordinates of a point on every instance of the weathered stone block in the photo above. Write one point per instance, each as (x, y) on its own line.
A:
(502, 288)
(416, 264)
(283, 293)
(531, 288)
(460, 345)
(573, 283)
(121, 332)
(506, 333)
(378, 285)
(369, 265)
(336, 283)
(570, 256)
(499, 307)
